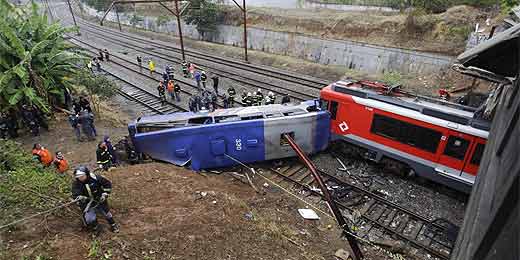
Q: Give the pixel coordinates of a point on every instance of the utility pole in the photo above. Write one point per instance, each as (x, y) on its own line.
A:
(244, 13)
(177, 13)
(73, 17)
(180, 29)
(118, 22)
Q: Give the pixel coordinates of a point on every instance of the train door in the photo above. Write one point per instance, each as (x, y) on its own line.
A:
(455, 152)
(473, 161)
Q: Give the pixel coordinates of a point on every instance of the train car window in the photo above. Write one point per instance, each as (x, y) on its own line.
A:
(333, 109)
(223, 119)
(200, 121)
(252, 117)
(477, 155)
(421, 137)
(456, 147)
(387, 127)
(324, 104)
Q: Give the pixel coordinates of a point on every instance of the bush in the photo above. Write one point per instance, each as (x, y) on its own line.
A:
(25, 185)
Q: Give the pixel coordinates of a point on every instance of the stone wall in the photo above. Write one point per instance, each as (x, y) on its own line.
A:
(354, 55)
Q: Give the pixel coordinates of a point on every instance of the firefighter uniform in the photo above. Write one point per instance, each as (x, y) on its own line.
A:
(92, 191)
(104, 158)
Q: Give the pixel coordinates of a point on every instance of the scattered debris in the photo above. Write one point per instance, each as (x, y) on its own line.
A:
(266, 185)
(249, 216)
(214, 202)
(308, 214)
(342, 254)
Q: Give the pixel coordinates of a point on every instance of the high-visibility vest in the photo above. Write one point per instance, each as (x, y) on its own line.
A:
(170, 86)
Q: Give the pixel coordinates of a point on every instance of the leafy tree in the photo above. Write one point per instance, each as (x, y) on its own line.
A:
(98, 88)
(202, 13)
(36, 64)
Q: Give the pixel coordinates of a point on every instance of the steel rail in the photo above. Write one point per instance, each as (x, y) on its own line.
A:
(268, 86)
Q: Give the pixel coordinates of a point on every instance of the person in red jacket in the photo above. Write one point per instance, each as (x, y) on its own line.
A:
(61, 164)
(42, 155)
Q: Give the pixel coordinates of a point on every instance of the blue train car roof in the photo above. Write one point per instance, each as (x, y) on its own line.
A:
(232, 114)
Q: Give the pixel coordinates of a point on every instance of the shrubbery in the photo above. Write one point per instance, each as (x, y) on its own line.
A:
(25, 185)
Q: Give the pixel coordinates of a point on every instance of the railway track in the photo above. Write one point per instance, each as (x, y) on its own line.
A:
(140, 95)
(374, 217)
(134, 67)
(236, 76)
(259, 69)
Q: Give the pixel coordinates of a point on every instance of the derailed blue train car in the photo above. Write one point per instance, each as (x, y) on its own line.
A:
(248, 134)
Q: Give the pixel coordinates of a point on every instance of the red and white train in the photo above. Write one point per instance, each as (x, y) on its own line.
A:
(436, 140)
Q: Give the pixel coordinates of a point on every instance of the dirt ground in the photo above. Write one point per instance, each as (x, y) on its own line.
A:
(168, 212)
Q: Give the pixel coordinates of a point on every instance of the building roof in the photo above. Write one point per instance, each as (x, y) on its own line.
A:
(498, 55)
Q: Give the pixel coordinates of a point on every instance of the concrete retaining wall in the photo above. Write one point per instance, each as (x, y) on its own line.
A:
(359, 56)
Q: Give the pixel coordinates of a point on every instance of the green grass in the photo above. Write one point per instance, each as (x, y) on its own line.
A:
(25, 186)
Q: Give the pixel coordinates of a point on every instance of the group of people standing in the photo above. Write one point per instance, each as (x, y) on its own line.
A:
(31, 117)
(96, 61)
(82, 119)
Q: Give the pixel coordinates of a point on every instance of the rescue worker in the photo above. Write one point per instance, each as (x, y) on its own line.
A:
(104, 159)
(162, 95)
(286, 99)
(231, 96)
(198, 103)
(215, 84)
(259, 97)
(254, 99)
(206, 100)
(42, 155)
(91, 121)
(270, 98)
(100, 55)
(84, 120)
(85, 104)
(197, 79)
(74, 123)
(98, 65)
(185, 69)
(225, 100)
(248, 101)
(92, 191)
(203, 79)
(165, 76)
(171, 89)
(76, 106)
(30, 120)
(213, 98)
(110, 149)
(192, 105)
(177, 90)
(140, 62)
(61, 164)
(151, 66)
(107, 55)
(89, 66)
(170, 72)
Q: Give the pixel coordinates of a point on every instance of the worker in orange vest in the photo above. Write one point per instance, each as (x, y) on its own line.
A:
(61, 164)
(171, 89)
(42, 155)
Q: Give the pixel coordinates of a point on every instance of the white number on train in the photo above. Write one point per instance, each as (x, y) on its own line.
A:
(238, 144)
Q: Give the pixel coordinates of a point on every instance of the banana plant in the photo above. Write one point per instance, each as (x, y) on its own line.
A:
(37, 65)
